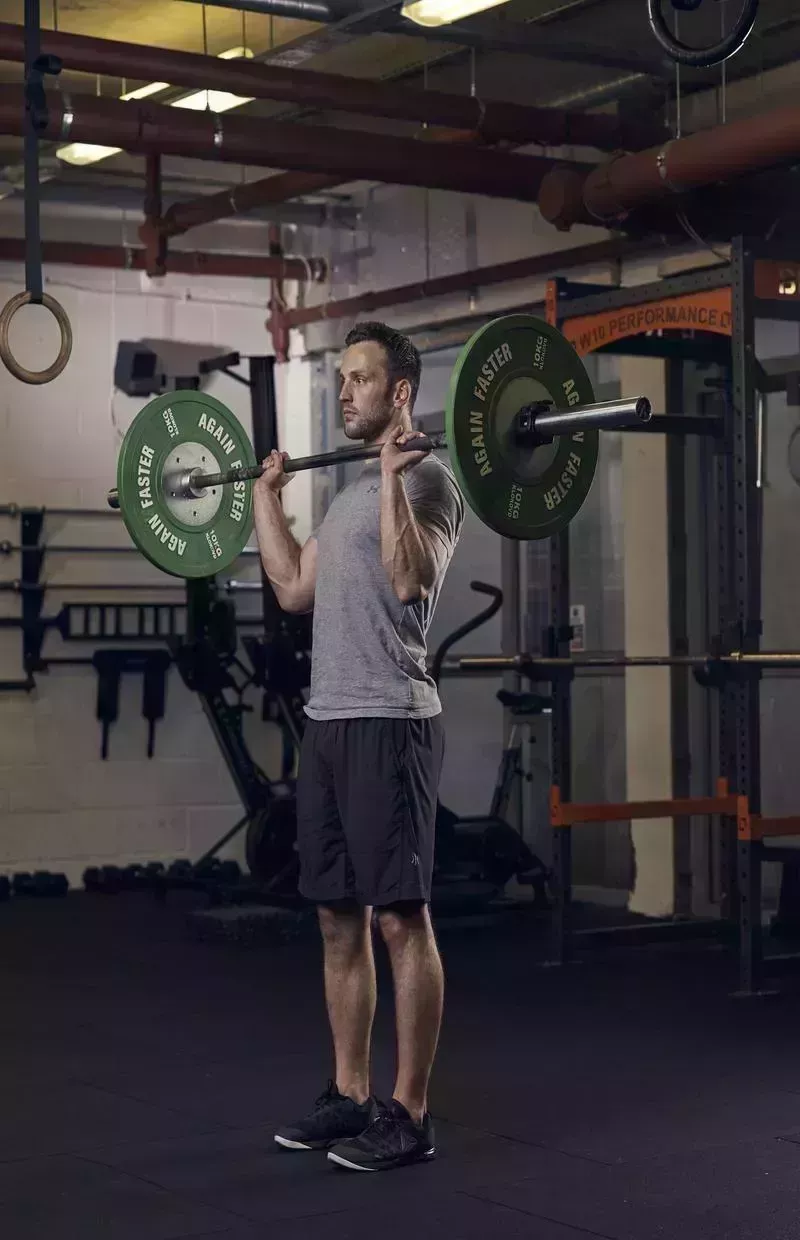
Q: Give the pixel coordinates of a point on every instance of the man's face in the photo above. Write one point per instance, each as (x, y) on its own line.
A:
(368, 404)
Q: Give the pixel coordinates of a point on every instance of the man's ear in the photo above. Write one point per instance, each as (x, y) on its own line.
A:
(402, 394)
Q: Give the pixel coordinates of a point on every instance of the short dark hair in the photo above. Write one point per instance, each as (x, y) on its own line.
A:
(402, 358)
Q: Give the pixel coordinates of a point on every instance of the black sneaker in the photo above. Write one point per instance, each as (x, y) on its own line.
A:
(391, 1140)
(334, 1118)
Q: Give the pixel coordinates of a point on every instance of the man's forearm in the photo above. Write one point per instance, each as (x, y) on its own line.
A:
(404, 549)
(279, 549)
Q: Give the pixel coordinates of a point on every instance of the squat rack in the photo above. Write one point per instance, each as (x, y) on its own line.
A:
(706, 315)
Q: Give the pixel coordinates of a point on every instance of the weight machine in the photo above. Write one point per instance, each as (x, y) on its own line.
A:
(477, 856)
(709, 316)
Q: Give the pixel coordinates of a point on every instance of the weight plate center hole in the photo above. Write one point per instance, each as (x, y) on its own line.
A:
(525, 464)
(190, 506)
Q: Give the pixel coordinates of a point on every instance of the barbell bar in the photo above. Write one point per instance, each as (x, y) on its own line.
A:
(531, 663)
(521, 429)
(539, 427)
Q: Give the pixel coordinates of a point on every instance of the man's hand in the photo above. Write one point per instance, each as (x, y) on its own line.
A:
(274, 477)
(395, 461)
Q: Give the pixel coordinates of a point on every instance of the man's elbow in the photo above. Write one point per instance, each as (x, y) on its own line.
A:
(294, 602)
(410, 593)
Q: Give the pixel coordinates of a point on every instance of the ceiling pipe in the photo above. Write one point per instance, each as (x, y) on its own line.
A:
(291, 10)
(495, 120)
(253, 195)
(613, 189)
(239, 199)
(142, 127)
(538, 265)
(126, 258)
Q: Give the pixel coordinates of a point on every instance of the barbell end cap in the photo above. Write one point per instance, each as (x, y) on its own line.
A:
(113, 498)
(644, 409)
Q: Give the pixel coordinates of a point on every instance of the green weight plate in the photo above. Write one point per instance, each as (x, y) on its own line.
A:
(173, 435)
(519, 492)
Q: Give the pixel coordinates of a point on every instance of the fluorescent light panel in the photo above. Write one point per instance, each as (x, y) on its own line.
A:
(442, 12)
(80, 154)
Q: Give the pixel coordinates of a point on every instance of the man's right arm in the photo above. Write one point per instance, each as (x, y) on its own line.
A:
(291, 569)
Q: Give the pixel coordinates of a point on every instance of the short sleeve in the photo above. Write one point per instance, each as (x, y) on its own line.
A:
(436, 502)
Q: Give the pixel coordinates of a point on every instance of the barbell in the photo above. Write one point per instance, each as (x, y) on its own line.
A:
(522, 432)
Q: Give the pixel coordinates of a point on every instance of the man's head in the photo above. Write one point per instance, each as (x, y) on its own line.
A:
(380, 375)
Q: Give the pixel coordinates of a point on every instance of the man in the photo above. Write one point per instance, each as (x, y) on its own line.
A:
(373, 746)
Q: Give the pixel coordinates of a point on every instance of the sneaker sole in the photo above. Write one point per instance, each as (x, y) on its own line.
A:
(300, 1145)
(353, 1166)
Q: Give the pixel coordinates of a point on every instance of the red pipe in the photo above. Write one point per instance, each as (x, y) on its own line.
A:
(142, 127)
(182, 216)
(246, 266)
(716, 155)
(494, 120)
(465, 281)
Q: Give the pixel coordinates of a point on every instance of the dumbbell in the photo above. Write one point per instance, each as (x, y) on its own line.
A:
(40, 885)
(230, 873)
(107, 879)
(226, 873)
(180, 870)
(208, 868)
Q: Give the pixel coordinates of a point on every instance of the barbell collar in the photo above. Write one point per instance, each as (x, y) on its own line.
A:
(607, 415)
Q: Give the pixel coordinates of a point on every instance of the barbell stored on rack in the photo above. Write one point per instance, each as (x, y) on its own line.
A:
(545, 665)
(522, 431)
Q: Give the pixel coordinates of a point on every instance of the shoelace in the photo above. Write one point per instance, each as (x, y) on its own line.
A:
(381, 1130)
(328, 1096)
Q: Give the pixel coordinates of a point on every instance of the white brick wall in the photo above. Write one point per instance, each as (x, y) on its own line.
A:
(61, 807)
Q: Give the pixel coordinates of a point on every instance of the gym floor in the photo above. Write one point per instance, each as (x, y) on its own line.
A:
(142, 1071)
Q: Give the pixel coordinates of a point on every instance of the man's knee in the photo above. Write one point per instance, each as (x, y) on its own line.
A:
(344, 927)
(402, 921)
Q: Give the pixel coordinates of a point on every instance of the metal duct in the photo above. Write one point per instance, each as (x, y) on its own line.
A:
(141, 127)
(292, 10)
(494, 120)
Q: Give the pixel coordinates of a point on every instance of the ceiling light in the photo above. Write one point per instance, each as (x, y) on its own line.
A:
(212, 101)
(142, 92)
(237, 53)
(442, 12)
(79, 154)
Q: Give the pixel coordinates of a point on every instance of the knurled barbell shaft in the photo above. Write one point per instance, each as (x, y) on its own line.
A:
(341, 456)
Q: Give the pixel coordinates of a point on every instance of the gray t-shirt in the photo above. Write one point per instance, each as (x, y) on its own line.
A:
(369, 650)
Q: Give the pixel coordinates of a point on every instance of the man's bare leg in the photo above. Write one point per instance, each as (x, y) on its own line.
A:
(419, 996)
(350, 993)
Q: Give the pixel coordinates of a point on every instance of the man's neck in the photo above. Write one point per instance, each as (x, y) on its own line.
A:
(403, 421)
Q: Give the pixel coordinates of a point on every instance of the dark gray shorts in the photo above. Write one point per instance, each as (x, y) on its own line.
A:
(366, 808)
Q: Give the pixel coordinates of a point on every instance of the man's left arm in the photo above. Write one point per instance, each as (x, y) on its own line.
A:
(420, 522)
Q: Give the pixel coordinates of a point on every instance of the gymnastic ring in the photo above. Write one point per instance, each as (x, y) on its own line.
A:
(7, 357)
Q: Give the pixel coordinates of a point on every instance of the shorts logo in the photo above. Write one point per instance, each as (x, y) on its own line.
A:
(414, 859)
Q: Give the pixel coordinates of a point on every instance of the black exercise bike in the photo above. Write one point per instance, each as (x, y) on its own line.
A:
(475, 857)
